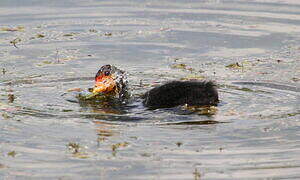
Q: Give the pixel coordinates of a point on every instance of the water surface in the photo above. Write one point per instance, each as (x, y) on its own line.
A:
(249, 48)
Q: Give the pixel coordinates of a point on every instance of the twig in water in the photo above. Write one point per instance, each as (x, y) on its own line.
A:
(15, 41)
(57, 55)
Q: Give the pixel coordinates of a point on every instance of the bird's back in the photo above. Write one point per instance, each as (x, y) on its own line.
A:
(181, 92)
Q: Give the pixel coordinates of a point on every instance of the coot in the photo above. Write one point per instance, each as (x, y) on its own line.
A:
(110, 80)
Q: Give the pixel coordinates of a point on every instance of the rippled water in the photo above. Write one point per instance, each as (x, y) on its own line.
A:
(249, 48)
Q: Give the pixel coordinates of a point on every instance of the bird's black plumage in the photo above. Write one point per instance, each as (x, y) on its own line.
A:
(177, 93)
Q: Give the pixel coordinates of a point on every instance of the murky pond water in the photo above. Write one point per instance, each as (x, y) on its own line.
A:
(250, 49)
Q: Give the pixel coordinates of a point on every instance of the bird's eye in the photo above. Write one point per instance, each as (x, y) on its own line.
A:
(106, 73)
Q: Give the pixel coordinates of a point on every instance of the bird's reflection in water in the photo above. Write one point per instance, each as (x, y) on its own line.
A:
(105, 130)
(104, 105)
(109, 109)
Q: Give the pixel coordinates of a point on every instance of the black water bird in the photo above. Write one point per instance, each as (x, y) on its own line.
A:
(110, 80)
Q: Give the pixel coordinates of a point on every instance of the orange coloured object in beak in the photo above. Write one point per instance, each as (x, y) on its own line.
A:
(104, 84)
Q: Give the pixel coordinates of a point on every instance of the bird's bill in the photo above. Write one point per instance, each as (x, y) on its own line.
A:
(104, 84)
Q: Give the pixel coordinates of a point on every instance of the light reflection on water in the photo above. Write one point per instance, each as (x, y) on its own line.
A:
(252, 134)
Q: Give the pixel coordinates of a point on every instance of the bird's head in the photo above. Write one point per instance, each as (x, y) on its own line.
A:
(105, 80)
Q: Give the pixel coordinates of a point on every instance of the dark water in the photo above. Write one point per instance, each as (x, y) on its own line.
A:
(49, 47)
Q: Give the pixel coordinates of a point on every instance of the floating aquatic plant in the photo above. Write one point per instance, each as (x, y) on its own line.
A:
(12, 153)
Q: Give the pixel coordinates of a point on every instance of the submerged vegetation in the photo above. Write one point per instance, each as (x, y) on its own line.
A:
(77, 150)
(116, 146)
